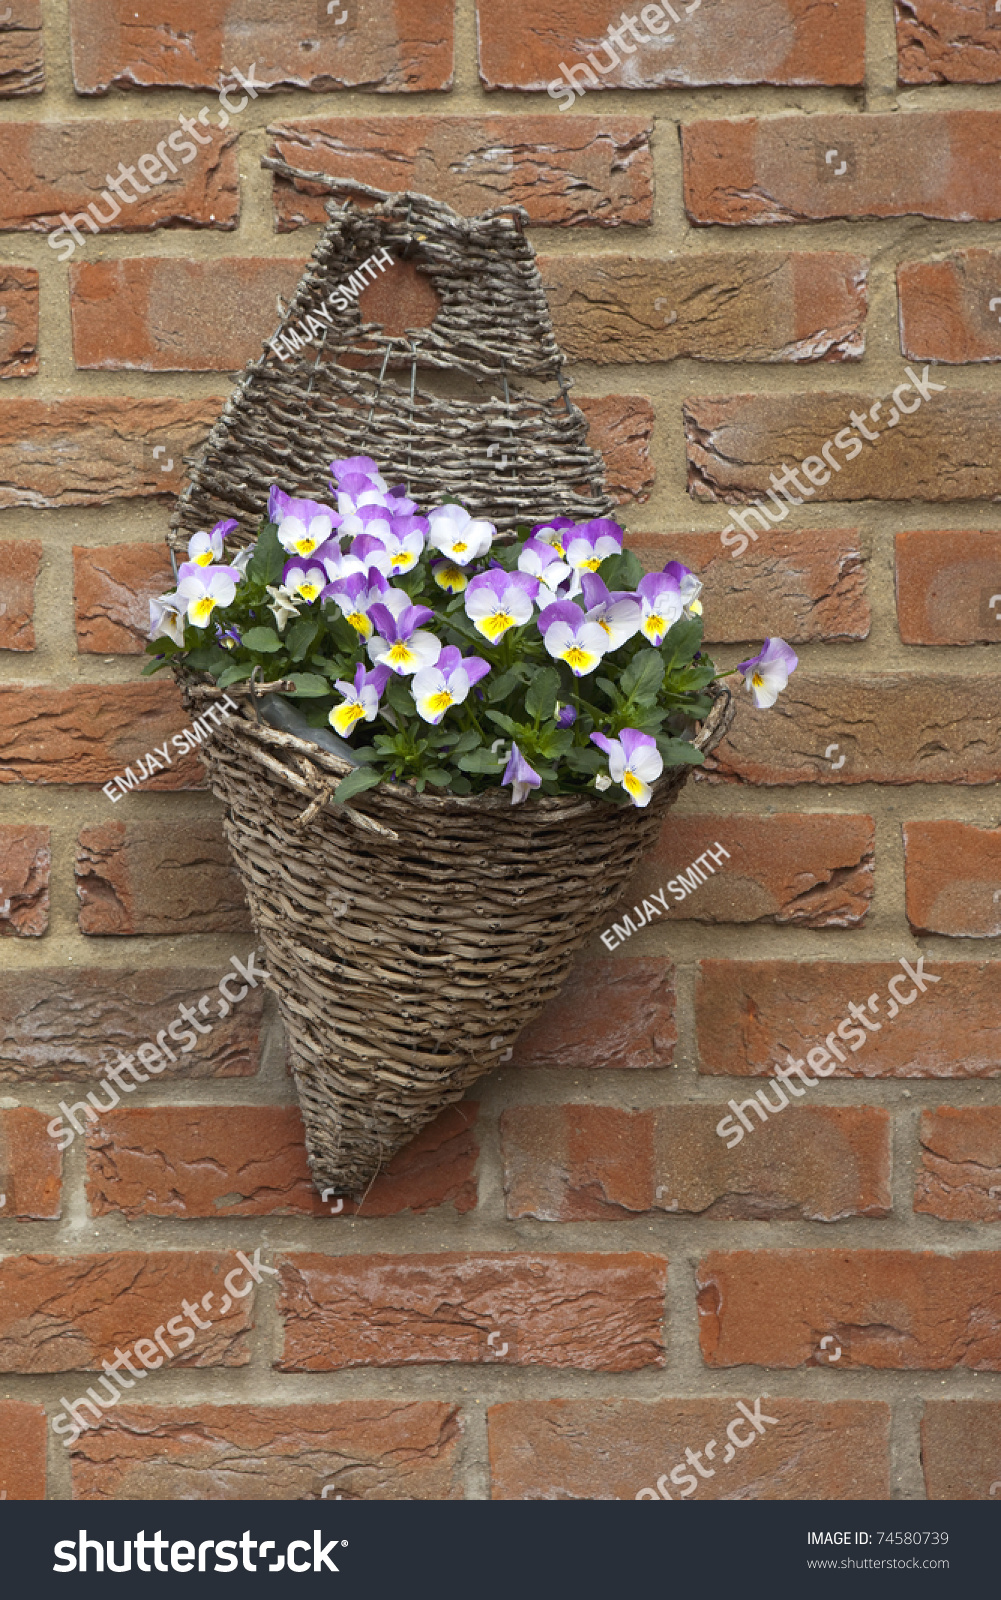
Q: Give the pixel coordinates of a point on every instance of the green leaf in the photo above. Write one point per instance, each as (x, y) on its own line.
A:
(153, 666)
(162, 647)
(399, 697)
(500, 688)
(678, 752)
(555, 742)
(587, 760)
(261, 640)
(643, 677)
(235, 673)
(622, 571)
(355, 782)
(504, 722)
(310, 684)
(209, 658)
(439, 777)
(540, 697)
(467, 741)
(460, 784)
(682, 641)
(300, 636)
(265, 565)
(482, 760)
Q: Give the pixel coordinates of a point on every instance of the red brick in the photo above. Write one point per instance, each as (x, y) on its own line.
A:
(634, 1027)
(775, 169)
(20, 560)
(621, 427)
(946, 41)
(18, 310)
(602, 1313)
(945, 312)
(961, 1448)
(65, 1024)
(812, 870)
(370, 1449)
(22, 1451)
(613, 1449)
(752, 1014)
(89, 733)
(250, 1161)
(960, 1177)
(166, 314)
(158, 877)
(888, 1309)
(523, 45)
(800, 586)
(30, 1166)
(892, 728)
(390, 48)
(112, 587)
(67, 1313)
(782, 306)
(945, 583)
(595, 1163)
(581, 170)
(25, 864)
(953, 873)
(22, 69)
(947, 450)
(52, 167)
(91, 452)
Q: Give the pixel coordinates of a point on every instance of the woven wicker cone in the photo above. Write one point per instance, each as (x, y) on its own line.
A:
(409, 938)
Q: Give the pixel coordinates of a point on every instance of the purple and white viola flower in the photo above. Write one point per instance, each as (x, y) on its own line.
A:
(554, 532)
(337, 564)
(557, 580)
(400, 538)
(303, 578)
(591, 543)
(633, 760)
(659, 595)
(446, 684)
(448, 576)
(355, 494)
(620, 614)
(204, 548)
(305, 526)
(569, 636)
(521, 776)
(459, 536)
(496, 601)
(356, 594)
(767, 673)
(228, 638)
(357, 467)
(203, 588)
(690, 586)
(400, 643)
(166, 618)
(361, 698)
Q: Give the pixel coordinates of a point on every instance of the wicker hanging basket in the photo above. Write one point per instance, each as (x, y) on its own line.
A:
(409, 937)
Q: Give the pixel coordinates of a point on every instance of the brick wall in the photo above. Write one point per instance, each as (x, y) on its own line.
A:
(748, 229)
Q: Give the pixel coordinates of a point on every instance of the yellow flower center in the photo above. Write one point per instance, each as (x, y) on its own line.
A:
(492, 627)
(305, 547)
(603, 624)
(576, 658)
(402, 561)
(202, 610)
(450, 578)
(360, 623)
(757, 680)
(631, 783)
(399, 653)
(309, 591)
(343, 717)
(459, 546)
(591, 565)
(204, 559)
(653, 624)
(438, 704)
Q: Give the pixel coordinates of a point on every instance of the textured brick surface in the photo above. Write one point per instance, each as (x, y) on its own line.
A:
(947, 41)
(25, 864)
(581, 170)
(635, 1026)
(960, 1176)
(22, 64)
(751, 1014)
(961, 1448)
(886, 1308)
(88, 734)
(953, 879)
(523, 44)
(945, 584)
(621, 426)
(775, 169)
(404, 45)
(897, 728)
(612, 1449)
(19, 563)
(91, 452)
(250, 1161)
(112, 587)
(67, 1313)
(22, 1450)
(949, 449)
(597, 1163)
(30, 1166)
(52, 167)
(158, 877)
(800, 586)
(945, 310)
(61, 1024)
(372, 1311)
(814, 871)
(18, 311)
(754, 307)
(163, 314)
(369, 1449)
